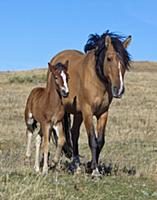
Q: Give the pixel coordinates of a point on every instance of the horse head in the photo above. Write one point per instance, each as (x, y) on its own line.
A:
(115, 64)
(112, 59)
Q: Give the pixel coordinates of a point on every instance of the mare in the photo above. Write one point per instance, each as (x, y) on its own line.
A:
(96, 76)
(44, 105)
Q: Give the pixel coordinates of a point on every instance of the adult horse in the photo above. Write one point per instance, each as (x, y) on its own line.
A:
(95, 78)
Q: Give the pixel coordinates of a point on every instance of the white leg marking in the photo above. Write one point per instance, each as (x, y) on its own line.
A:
(121, 79)
(37, 154)
(30, 119)
(30, 115)
(29, 139)
(45, 167)
(57, 130)
(96, 173)
(65, 82)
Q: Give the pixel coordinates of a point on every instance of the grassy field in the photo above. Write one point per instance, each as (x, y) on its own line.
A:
(131, 144)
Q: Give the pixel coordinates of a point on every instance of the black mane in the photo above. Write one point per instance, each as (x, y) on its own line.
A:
(97, 42)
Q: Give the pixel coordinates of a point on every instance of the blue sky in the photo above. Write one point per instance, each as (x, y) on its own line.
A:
(33, 31)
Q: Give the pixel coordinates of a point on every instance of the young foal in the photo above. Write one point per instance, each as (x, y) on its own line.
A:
(44, 105)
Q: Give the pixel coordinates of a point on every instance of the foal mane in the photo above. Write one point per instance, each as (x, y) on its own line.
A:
(97, 42)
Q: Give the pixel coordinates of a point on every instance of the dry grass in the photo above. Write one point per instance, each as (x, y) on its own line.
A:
(131, 141)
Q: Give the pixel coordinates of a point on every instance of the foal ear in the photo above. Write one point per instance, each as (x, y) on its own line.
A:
(107, 41)
(51, 67)
(127, 42)
(66, 65)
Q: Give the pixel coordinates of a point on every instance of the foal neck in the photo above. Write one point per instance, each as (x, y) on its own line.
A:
(51, 86)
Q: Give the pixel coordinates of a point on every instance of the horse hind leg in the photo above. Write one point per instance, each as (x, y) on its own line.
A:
(61, 141)
(31, 125)
(67, 148)
(75, 133)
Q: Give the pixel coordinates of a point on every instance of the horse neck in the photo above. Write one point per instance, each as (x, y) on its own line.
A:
(91, 68)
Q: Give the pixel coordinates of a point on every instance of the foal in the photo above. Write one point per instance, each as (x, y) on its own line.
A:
(44, 105)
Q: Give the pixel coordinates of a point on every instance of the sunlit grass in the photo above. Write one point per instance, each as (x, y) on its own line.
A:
(131, 143)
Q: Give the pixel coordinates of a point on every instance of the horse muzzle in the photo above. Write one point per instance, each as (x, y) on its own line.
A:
(117, 93)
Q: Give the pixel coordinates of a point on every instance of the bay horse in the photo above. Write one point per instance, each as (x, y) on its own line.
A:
(44, 105)
(96, 76)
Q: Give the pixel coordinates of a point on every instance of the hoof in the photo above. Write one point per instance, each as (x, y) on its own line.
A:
(45, 171)
(78, 170)
(96, 174)
(53, 164)
(27, 160)
(36, 169)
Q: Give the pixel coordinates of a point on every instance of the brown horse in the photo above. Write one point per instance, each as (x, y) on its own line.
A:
(95, 78)
(44, 105)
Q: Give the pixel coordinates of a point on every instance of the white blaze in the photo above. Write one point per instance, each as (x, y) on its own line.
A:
(121, 79)
(64, 82)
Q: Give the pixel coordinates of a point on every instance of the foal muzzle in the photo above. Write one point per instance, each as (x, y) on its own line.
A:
(64, 93)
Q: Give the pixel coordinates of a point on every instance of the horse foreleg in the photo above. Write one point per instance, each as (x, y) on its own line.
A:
(75, 133)
(37, 153)
(61, 140)
(101, 124)
(92, 140)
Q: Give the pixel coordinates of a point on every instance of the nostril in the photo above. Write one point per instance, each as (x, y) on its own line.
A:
(115, 89)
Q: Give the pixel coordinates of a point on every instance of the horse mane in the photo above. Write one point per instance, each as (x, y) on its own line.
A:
(97, 42)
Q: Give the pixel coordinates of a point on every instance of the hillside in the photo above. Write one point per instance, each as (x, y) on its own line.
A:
(131, 143)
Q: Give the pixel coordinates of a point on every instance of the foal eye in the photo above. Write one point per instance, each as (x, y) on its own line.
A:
(109, 59)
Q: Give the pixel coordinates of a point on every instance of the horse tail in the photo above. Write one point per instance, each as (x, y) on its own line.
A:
(67, 148)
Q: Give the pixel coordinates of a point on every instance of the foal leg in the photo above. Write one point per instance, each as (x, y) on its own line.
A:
(101, 124)
(31, 126)
(45, 131)
(29, 139)
(37, 153)
(75, 133)
(61, 140)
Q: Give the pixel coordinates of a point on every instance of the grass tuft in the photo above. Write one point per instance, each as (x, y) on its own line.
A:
(28, 79)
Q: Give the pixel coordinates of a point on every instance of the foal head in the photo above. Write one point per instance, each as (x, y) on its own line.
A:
(112, 59)
(59, 72)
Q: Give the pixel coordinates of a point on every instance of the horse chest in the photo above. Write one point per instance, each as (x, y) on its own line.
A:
(100, 105)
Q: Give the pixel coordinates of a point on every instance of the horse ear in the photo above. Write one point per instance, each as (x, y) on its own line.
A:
(107, 41)
(51, 67)
(127, 42)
